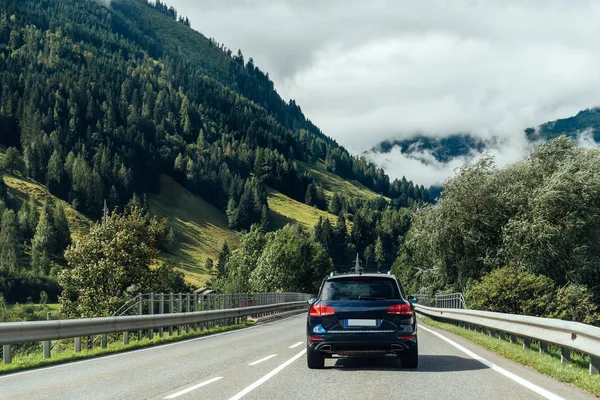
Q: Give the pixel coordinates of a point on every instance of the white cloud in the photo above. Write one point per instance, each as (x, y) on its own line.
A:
(423, 168)
(586, 139)
(384, 69)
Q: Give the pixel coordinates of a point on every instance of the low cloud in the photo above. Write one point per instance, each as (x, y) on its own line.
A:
(423, 168)
(586, 139)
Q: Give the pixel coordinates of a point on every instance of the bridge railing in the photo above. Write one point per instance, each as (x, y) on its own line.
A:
(564, 334)
(157, 314)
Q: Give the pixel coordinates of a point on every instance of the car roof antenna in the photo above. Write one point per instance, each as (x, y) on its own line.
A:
(357, 268)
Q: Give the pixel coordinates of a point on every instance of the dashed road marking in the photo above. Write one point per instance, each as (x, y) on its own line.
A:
(295, 345)
(263, 359)
(192, 388)
(267, 376)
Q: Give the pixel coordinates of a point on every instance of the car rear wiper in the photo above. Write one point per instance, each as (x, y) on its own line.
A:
(370, 298)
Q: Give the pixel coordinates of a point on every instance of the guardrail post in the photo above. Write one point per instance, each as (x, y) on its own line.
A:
(594, 365)
(502, 335)
(187, 309)
(6, 355)
(171, 312)
(208, 324)
(47, 349)
(47, 343)
(140, 312)
(104, 340)
(513, 339)
(195, 307)
(151, 312)
(543, 347)
(179, 309)
(526, 343)
(202, 324)
(223, 321)
(236, 304)
(565, 355)
(161, 310)
(78, 344)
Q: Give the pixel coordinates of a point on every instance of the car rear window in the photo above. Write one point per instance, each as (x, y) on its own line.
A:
(356, 288)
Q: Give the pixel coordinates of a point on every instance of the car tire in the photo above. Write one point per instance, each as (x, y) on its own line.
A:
(410, 358)
(314, 359)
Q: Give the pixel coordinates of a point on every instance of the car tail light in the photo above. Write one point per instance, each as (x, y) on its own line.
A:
(315, 338)
(400, 309)
(319, 310)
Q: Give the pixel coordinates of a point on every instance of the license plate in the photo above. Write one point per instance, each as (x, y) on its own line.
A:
(361, 322)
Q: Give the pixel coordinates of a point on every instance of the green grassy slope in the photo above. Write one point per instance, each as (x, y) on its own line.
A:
(284, 210)
(200, 229)
(332, 183)
(22, 188)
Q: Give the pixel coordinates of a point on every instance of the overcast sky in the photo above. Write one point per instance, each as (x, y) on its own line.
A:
(366, 71)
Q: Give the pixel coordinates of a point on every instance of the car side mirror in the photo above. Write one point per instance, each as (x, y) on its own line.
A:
(311, 301)
(413, 299)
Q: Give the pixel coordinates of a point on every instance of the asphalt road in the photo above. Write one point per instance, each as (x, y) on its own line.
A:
(268, 362)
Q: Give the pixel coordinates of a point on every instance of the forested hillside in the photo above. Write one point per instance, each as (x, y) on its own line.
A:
(98, 101)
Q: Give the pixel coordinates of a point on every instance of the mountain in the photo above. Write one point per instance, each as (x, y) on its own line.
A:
(122, 102)
(442, 149)
(583, 126)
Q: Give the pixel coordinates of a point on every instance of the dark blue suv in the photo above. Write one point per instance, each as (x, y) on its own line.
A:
(358, 315)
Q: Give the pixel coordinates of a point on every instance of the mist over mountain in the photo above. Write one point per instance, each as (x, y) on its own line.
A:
(432, 159)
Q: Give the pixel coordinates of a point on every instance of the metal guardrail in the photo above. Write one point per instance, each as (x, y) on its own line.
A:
(564, 334)
(450, 300)
(24, 332)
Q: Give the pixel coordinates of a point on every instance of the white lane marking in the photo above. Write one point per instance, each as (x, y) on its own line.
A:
(542, 392)
(295, 345)
(263, 359)
(156, 347)
(267, 376)
(198, 386)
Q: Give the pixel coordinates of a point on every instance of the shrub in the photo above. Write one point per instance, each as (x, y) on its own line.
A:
(508, 290)
(575, 303)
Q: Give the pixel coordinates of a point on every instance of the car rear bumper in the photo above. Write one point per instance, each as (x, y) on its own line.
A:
(363, 343)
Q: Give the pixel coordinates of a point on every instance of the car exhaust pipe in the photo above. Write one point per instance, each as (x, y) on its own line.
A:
(325, 347)
(397, 347)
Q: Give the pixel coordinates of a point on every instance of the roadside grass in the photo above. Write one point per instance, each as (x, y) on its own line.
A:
(332, 183)
(284, 210)
(66, 352)
(549, 364)
(200, 229)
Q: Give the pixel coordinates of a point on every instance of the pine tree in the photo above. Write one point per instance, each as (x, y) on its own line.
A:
(55, 173)
(61, 228)
(9, 250)
(224, 255)
(232, 219)
(311, 195)
(264, 218)
(43, 244)
(13, 162)
(28, 218)
(335, 204)
(379, 253)
(245, 209)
